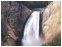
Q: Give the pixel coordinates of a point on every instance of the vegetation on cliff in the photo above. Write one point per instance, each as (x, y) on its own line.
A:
(55, 42)
(14, 15)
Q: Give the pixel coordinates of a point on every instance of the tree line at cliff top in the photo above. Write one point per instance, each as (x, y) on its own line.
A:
(34, 4)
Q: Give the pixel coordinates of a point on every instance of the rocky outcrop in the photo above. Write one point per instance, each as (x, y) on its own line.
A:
(13, 16)
(51, 23)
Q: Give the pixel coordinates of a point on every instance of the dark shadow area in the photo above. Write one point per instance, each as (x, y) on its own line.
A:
(18, 42)
(34, 4)
(40, 23)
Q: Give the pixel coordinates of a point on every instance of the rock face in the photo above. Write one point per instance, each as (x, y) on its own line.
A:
(13, 16)
(51, 23)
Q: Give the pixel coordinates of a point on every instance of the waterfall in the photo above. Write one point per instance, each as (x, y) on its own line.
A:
(31, 30)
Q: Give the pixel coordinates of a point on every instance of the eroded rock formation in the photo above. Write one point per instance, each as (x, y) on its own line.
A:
(51, 24)
(14, 16)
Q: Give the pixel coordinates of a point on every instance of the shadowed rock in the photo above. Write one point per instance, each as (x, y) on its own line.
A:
(13, 16)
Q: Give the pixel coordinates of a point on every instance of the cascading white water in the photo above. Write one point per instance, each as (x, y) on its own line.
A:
(31, 30)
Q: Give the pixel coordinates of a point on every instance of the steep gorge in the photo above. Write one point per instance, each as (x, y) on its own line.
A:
(14, 16)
